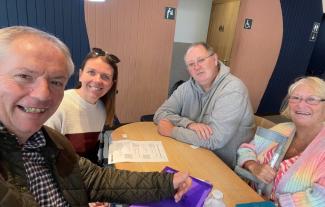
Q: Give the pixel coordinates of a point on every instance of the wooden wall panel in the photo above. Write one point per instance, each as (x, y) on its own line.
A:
(255, 51)
(135, 31)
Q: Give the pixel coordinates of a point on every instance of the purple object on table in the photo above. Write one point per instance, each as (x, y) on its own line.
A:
(194, 197)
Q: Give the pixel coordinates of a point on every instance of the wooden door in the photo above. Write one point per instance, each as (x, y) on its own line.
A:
(222, 27)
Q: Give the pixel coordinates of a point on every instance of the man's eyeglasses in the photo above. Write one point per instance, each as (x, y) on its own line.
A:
(311, 100)
(111, 58)
(198, 61)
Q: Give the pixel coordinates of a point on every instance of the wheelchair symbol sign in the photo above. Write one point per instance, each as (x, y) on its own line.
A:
(248, 23)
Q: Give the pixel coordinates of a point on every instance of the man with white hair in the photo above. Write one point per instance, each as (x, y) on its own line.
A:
(212, 109)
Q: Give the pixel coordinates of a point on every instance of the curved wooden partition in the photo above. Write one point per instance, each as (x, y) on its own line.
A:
(255, 51)
(137, 32)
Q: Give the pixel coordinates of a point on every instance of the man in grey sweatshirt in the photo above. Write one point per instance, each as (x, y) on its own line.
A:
(212, 109)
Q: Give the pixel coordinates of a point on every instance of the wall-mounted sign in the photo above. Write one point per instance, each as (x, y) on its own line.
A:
(221, 28)
(314, 32)
(316, 27)
(248, 23)
(170, 13)
(313, 37)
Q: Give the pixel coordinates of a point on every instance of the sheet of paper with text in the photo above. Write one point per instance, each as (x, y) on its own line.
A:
(136, 151)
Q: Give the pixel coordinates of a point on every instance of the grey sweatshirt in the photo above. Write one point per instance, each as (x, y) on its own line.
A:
(226, 108)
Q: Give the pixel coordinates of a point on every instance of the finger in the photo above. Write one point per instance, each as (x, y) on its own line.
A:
(210, 130)
(160, 122)
(187, 184)
(202, 134)
(183, 188)
(198, 132)
(177, 197)
(180, 192)
(179, 178)
(264, 179)
(268, 180)
(206, 132)
(160, 130)
(273, 173)
(191, 126)
(163, 122)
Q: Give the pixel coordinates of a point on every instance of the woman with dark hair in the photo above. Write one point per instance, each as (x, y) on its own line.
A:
(84, 111)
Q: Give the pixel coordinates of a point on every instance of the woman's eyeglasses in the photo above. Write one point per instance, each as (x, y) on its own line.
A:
(311, 100)
(111, 58)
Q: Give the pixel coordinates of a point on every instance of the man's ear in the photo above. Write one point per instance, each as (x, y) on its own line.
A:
(215, 56)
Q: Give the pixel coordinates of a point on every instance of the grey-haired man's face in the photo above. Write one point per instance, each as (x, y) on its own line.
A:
(33, 74)
(202, 65)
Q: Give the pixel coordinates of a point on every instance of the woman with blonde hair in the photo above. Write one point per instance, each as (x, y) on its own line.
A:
(299, 179)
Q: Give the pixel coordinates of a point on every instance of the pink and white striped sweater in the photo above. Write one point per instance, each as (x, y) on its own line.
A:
(303, 185)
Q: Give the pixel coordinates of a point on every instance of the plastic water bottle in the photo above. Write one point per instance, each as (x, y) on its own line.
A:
(215, 199)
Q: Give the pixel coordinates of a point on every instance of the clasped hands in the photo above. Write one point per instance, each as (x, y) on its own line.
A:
(204, 131)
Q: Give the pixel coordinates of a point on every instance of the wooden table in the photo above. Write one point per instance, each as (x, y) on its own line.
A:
(200, 163)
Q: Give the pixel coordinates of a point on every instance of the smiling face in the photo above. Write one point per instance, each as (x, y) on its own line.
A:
(202, 65)
(302, 113)
(33, 74)
(96, 79)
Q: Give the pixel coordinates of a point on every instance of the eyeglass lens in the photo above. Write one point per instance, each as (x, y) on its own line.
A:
(309, 100)
(198, 61)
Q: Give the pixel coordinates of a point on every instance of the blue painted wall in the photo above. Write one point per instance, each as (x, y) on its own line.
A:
(63, 18)
(296, 50)
(317, 62)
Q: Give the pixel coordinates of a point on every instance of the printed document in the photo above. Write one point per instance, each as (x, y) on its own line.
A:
(136, 151)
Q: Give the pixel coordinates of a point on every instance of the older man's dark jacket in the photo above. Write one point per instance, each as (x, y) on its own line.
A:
(79, 180)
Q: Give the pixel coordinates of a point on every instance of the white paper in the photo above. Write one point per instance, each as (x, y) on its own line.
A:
(136, 151)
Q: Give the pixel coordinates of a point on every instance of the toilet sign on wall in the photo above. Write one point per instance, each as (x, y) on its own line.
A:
(314, 32)
(170, 13)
